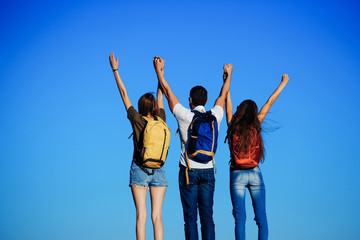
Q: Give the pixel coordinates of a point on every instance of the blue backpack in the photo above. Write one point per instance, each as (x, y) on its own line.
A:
(202, 139)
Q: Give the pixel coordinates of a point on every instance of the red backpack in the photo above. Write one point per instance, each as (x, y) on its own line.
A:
(245, 160)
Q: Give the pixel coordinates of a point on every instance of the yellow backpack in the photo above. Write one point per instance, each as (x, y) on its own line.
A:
(156, 141)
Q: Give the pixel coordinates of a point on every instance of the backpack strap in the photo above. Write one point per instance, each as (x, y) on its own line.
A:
(182, 140)
(146, 171)
(213, 142)
(188, 168)
(132, 134)
(212, 148)
(214, 166)
(147, 119)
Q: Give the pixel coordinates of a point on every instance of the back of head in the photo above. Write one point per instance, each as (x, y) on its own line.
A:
(198, 95)
(148, 104)
(243, 122)
(247, 112)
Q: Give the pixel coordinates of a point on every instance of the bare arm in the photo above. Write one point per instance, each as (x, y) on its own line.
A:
(114, 65)
(265, 109)
(228, 107)
(159, 69)
(226, 86)
(160, 97)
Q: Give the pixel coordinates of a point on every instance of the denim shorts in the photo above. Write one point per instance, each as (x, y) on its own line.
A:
(139, 177)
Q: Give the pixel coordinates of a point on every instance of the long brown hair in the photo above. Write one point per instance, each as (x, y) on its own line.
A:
(243, 122)
(148, 104)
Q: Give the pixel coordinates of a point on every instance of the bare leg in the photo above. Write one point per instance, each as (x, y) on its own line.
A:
(139, 195)
(157, 197)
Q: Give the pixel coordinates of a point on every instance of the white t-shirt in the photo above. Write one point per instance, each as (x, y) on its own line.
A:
(184, 117)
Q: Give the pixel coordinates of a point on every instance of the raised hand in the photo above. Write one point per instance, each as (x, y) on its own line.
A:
(159, 64)
(228, 68)
(285, 78)
(265, 109)
(114, 64)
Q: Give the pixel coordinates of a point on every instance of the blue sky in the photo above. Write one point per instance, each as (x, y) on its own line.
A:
(64, 152)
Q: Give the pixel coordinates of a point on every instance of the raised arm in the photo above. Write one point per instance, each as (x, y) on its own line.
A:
(229, 108)
(114, 66)
(265, 109)
(160, 97)
(226, 86)
(159, 69)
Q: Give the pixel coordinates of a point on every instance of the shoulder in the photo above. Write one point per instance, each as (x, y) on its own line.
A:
(131, 112)
(134, 116)
(180, 112)
(218, 112)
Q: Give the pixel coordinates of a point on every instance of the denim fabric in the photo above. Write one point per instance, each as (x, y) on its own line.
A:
(199, 193)
(253, 180)
(139, 177)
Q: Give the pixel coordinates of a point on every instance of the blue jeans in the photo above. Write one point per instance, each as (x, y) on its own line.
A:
(199, 193)
(253, 180)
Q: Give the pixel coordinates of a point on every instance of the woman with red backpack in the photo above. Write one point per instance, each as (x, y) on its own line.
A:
(246, 151)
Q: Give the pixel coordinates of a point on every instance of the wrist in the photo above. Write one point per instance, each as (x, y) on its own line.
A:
(114, 69)
(228, 74)
(158, 71)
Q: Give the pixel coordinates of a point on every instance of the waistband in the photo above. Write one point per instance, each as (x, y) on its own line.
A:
(184, 167)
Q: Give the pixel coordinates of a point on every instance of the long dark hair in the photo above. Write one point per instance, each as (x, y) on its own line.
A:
(148, 104)
(243, 122)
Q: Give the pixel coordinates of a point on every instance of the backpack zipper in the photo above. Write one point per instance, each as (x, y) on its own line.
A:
(212, 147)
(163, 145)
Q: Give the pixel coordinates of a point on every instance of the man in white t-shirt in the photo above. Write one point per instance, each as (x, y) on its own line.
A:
(199, 193)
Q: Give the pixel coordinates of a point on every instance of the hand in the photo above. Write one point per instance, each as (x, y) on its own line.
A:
(228, 68)
(159, 64)
(225, 76)
(285, 78)
(114, 64)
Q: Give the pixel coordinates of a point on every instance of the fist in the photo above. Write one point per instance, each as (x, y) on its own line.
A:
(285, 78)
(159, 63)
(228, 68)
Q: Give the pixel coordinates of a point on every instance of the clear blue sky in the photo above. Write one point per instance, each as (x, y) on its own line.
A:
(64, 148)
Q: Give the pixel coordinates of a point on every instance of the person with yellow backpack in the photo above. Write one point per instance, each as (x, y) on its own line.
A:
(151, 137)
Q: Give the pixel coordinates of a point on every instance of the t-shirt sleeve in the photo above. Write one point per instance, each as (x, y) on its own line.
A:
(137, 122)
(218, 112)
(133, 115)
(180, 112)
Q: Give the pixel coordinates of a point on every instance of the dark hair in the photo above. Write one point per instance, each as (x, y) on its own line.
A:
(148, 104)
(198, 95)
(243, 122)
